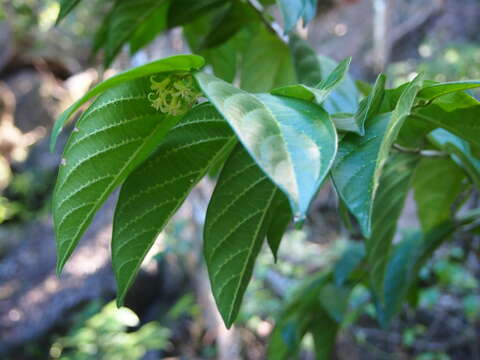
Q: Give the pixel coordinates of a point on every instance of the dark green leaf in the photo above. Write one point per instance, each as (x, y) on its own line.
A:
(154, 191)
(184, 11)
(335, 300)
(307, 66)
(66, 6)
(437, 183)
(293, 141)
(150, 28)
(266, 63)
(324, 331)
(118, 131)
(179, 63)
(281, 215)
(359, 163)
(235, 228)
(388, 204)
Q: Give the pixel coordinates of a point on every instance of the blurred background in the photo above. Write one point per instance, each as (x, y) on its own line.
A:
(169, 312)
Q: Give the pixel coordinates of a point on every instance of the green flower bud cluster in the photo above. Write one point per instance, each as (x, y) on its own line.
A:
(173, 94)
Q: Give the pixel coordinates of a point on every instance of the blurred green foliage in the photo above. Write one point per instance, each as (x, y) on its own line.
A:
(103, 333)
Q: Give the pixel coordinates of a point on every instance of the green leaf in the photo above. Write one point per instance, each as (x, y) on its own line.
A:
(184, 11)
(460, 150)
(307, 65)
(348, 262)
(178, 63)
(392, 191)
(370, 106)
(335, 300)
(281, 215)
(237, 222)
(117, 132)
(266, 63)
(437, 183)
(66, 6)
(432, 92)
(403, 266)
(461, 121)
(324, 331)
(150, 28)
(360, 160)
(154, 191)
(230, 21)
(293, 141)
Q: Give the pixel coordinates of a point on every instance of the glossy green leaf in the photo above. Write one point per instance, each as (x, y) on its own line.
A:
(432, 92)
(293, 141)
(238, 218)
(437, 183)
(66, 6)
(392, 191)
(156, 189)
(307, 65)
(117, 132)
(266, 63)
(461, 152)
(360, 160)
(178, 63)
(281, 216)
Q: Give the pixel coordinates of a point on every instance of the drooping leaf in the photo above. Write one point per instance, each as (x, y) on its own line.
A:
(437, 183)
(307, 65)
(66, 6)
(281, 215)
(292, 11)
(309, 11)
(324, 332)
(117, 132)
(293, 141)
(434, 91)
(461, 152)
(266, 63)
(238, 218)
(334, 300)
(156, 189)
(178, 63)
(392, 191)
(360, 160)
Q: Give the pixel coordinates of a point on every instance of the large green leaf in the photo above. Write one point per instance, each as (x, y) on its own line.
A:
(437, 183)
(461, 152)
(392, 191)
(371, 104)
(293, 141)
(307, 65)
(237, 222)
(66, 6)
(155, 190)
(178, 63)
(118, 131)
(266, 63)
(360, 160)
